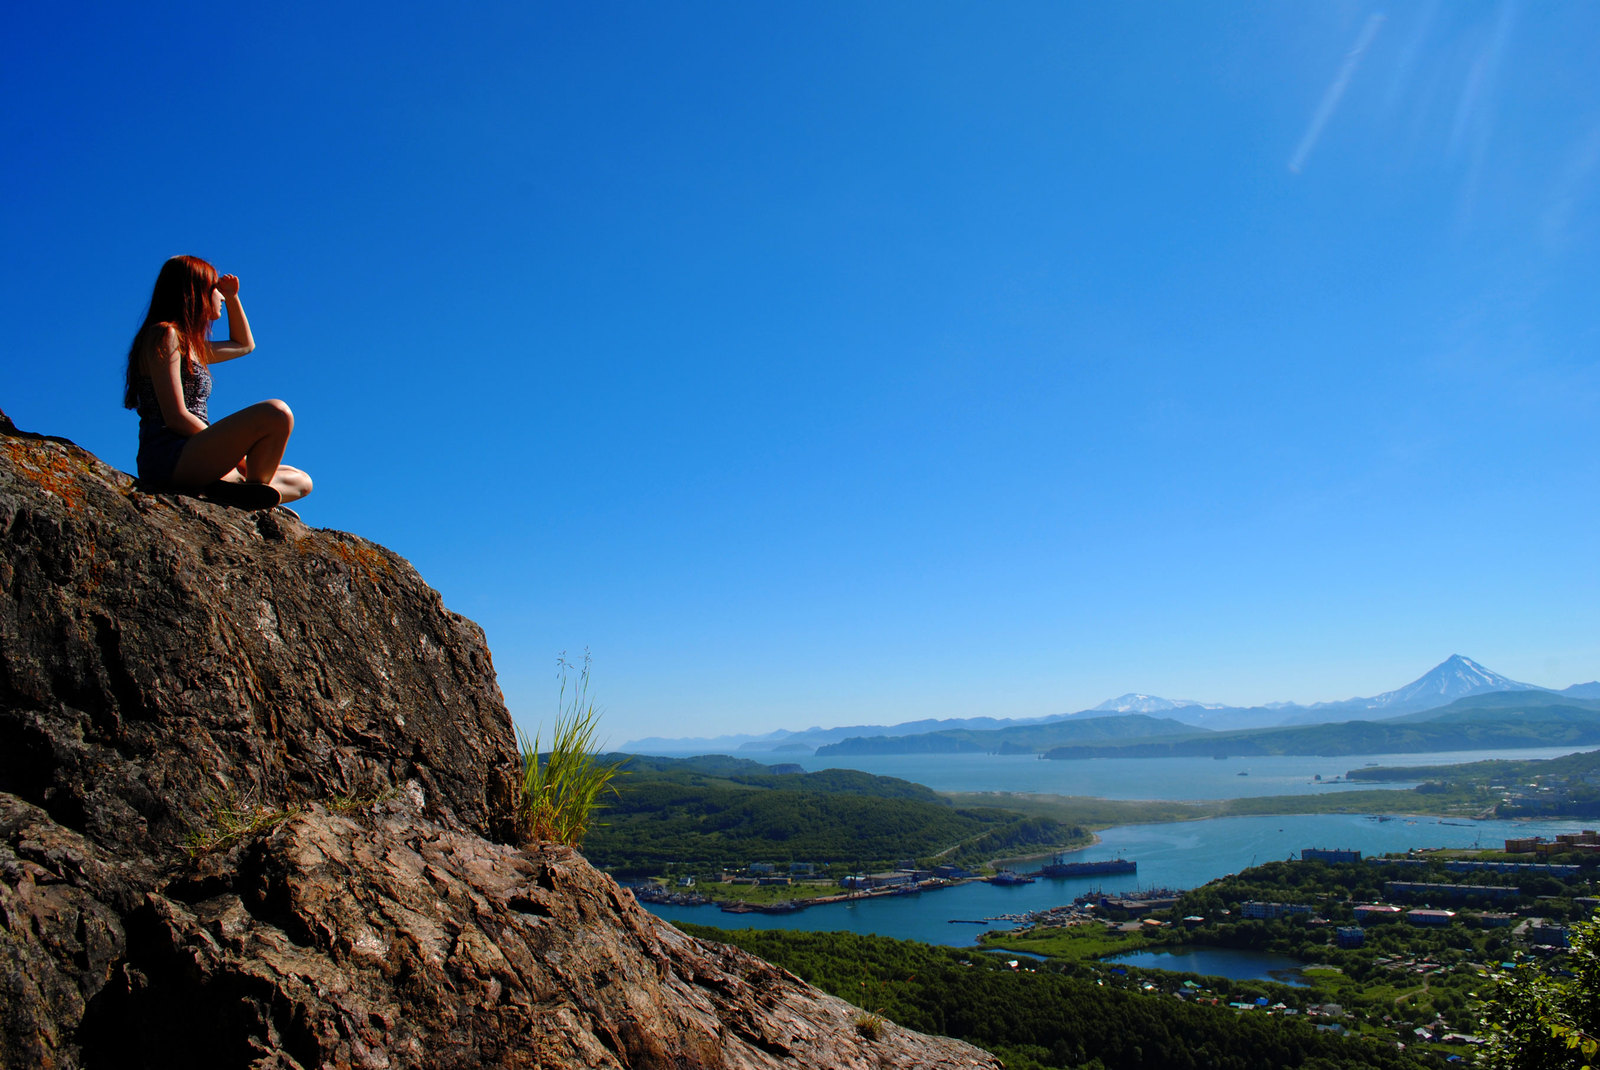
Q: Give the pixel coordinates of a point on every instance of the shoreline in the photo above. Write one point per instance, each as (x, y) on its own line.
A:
(1094, 841)
(739, 906)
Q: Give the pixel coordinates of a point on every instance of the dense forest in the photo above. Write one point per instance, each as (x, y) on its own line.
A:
(699, 816)
(1041, 1017)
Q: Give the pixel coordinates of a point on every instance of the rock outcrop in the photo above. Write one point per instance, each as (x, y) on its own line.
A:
(256, 787)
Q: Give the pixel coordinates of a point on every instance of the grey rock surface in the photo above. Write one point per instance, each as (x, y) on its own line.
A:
(166, 665)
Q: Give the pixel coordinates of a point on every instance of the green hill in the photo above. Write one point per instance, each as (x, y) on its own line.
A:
(696, 816)
(1499, 705)
(1467, 725)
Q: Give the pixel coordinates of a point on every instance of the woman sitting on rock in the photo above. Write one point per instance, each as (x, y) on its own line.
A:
(239, 458)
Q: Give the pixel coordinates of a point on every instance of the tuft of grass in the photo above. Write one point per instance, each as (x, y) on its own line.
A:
(230, 818)
(349, 802)
(562, 787)
(871, 1025)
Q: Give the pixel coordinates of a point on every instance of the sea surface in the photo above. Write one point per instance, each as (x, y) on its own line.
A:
(1177, 855)
(1140, 778)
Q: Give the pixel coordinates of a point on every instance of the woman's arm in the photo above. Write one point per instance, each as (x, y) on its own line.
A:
(164, 362)
(240, 341)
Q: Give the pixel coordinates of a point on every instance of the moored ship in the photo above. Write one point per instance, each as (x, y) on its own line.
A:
(1058, 868)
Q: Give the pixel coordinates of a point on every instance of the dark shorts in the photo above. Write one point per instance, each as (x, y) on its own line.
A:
(158, 455)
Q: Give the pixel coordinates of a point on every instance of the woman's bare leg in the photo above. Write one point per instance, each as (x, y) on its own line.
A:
(257, 434)
(291, 483)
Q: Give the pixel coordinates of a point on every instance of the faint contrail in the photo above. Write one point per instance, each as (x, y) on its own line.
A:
(1330, 99)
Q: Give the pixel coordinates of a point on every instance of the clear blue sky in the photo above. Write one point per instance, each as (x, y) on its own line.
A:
(825, 364)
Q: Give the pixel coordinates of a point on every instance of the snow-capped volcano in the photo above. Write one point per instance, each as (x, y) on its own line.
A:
(1453, 678)
(1135, 703)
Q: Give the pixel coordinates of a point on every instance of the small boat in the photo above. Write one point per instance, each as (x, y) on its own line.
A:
(1010, 876)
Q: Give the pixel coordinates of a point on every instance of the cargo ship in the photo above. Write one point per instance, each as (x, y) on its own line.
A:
(1058, 868)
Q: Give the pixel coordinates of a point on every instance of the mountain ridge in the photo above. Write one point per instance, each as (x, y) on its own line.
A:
(1456, 677)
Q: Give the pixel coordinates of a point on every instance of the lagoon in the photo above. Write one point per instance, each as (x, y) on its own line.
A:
(1236, 964)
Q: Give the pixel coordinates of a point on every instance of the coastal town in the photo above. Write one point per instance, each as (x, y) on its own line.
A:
(1390, 948)
(1402, 965)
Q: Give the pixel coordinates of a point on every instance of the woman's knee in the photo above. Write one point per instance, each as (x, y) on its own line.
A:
(292, 483)
(280, 412)
(272, 416)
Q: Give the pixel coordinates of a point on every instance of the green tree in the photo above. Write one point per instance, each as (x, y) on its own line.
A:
(1544, 1019)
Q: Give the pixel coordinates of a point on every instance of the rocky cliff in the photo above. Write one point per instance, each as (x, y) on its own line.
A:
(255, 787)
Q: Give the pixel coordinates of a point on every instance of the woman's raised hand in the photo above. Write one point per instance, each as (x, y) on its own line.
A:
(229, 286)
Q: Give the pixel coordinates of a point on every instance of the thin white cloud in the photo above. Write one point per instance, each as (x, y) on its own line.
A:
(1330, 99)
(1480, 79)
(1474, 122)
(1575, 183)
(1405, 66)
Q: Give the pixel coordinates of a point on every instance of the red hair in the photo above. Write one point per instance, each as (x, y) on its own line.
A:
(181, 301)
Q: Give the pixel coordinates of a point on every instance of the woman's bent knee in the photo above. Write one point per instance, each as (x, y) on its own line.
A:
(280, 411)
(292, 485)
(273, 414)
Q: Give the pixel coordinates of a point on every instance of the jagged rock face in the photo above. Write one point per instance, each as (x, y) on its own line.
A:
(160, 657)
(160, 652)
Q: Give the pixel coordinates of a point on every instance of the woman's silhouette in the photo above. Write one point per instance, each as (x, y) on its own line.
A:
(240, 457)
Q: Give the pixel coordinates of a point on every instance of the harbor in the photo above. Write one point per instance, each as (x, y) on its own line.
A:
(1173, 855)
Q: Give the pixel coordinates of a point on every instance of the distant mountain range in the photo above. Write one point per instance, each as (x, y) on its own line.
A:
(1132, 703)
(1504, 720)
(1453, 679)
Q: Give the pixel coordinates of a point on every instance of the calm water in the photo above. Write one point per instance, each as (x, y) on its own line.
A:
(1140, 778)
(1181, 855)
(1219, 962)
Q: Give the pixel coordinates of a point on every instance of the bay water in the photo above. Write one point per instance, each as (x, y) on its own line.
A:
(1178, 855)
(1141, 778)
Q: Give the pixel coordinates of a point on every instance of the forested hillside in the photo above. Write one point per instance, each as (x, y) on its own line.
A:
(698, 816)
(1048, 1020)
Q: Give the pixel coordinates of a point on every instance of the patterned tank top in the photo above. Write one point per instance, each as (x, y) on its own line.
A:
(196, 389)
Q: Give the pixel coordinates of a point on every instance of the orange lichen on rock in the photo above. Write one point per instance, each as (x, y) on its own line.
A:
(50, 471)
(359, 556)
